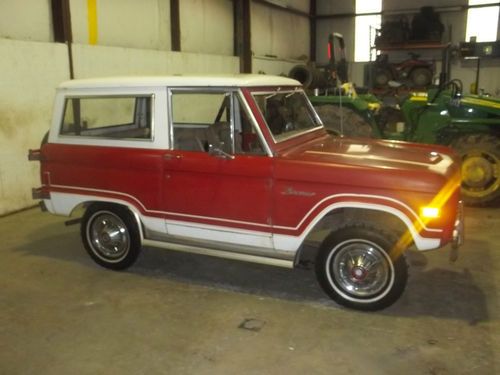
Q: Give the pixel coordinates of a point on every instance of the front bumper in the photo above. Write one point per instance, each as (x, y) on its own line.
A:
(458, 232)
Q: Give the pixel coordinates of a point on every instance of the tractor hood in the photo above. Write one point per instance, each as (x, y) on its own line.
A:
(467, 106)
(485, 105)
(374, 163)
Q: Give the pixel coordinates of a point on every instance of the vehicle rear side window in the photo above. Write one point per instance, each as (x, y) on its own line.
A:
(124, 117)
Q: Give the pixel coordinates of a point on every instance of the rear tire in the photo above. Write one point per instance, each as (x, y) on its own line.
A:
(359, 267)
(480, 154)
(421, 77)
(111, 236)
(381, 77)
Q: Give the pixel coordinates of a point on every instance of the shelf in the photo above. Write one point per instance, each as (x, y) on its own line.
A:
(411, 45)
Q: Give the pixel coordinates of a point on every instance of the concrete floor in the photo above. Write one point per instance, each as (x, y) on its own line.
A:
(176, 313)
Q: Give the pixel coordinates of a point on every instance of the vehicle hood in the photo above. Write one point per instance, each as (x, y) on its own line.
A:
(368, 162)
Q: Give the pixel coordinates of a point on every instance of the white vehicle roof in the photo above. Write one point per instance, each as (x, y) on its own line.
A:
(235, 80)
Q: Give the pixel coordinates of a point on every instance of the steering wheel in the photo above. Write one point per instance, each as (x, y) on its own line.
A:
(456, 87)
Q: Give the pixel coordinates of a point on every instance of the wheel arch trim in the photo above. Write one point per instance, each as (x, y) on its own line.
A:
(290, 243)
(67, 207)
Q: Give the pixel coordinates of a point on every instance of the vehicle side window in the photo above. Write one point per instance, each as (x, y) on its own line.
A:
(108, 117)
(212, 119)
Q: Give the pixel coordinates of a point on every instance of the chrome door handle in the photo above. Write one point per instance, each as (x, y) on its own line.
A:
(172, 156)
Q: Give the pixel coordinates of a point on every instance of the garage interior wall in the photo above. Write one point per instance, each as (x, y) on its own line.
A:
(119, 37)
(280, 39)
(130, 37)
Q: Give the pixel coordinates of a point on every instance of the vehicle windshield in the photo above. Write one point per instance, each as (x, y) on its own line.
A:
(287, 113)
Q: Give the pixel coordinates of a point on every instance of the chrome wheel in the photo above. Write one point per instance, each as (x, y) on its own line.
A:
(111, 235)
(360, 269)
(108, 236)
(355, 268)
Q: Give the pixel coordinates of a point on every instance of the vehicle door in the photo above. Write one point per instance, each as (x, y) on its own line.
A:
(217, 173)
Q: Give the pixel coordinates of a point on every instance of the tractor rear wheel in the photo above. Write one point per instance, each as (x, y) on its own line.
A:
(344, 121)
(480, 155)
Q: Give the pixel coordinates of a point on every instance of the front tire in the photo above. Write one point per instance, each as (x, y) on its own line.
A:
(358, 267)
(111, 236)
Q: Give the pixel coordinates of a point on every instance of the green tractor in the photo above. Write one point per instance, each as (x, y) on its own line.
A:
(470, 124)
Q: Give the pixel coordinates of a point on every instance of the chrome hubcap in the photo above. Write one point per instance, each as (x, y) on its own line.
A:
(358, 273)
(361, 269)
(109, 236)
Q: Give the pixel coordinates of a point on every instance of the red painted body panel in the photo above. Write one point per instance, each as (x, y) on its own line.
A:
(239, 189)
(331, 170)
(134, 175)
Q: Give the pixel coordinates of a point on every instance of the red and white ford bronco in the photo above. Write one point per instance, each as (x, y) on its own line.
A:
(241, 167)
